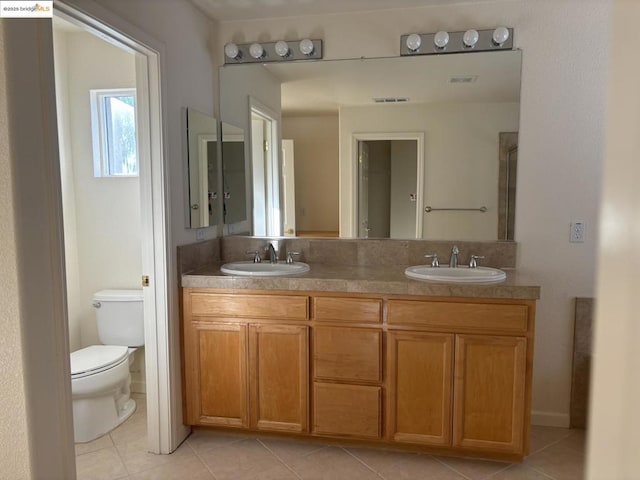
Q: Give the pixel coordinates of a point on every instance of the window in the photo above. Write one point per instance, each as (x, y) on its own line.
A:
(113, 126)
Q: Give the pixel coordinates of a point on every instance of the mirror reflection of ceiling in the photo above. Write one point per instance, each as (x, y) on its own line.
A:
(321, 88)
(230, 10)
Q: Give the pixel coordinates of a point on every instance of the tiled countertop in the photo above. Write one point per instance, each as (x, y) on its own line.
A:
(383, 280)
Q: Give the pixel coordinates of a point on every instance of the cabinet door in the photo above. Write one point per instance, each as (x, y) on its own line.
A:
(217, 378)
(489, 391)
(279, 382)
(420, 387)
(349, 410)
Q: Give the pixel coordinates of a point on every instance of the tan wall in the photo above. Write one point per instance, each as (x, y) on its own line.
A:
(564, 48)
(14, 442)
(315, 144)
(614, 440)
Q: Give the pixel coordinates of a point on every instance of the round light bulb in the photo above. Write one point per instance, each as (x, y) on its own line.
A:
(232, 51)
(441, 39)
(500, 35)
(256, 50)
(470, 38)
(282, 48)
(413, 42)
(306, 46)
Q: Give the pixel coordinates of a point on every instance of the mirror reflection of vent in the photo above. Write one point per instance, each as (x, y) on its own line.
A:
(391, 100)
(463, 78)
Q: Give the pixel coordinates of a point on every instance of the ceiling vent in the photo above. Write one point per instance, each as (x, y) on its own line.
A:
(391, 100)
(463, 78)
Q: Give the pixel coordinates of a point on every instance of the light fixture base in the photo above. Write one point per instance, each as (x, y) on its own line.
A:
(270, 54)
(456, 44)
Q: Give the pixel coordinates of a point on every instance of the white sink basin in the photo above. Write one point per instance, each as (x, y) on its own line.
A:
(455, 275)
(264, 269)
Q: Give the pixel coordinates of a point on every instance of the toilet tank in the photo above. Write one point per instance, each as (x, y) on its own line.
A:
(120, 317)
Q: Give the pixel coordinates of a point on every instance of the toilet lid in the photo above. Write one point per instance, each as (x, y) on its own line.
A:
(96, 357)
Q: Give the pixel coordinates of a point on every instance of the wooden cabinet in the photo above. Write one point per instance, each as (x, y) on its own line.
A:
(279, 377)
(490, 375)
(442, 374)
(420, 387)
(243, 373)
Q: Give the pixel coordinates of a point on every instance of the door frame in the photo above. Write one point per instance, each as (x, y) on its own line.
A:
(353, 167)
(273, 167)
(163, 435)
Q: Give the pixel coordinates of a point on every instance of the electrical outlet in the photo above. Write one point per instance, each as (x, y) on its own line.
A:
(577, 232)
(200, 234)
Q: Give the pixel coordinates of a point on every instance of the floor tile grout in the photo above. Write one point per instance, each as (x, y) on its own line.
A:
(361, 461)
(186, 441)
(279, 459)
(437, 459)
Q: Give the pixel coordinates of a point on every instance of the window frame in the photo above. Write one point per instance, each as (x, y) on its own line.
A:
(99, 132)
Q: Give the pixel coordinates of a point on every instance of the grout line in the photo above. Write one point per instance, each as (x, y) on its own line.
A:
(541, 473)
(437, 459)
(361, 461)
(186, 441)
(279, 459)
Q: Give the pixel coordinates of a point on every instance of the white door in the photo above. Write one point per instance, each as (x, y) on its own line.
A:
(259, 177)
(289, 194)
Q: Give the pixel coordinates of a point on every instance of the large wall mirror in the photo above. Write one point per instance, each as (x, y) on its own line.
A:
(202, 162)
(402, 147)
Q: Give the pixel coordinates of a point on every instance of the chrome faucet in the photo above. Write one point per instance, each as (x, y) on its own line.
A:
(453, 260)
(273, 253)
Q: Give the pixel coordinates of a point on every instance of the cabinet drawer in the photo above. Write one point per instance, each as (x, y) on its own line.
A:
(477, 316)
(347, 354)
(356, 310)
(347, 410)
(279, 307)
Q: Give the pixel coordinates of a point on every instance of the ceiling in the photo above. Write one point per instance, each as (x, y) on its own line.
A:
(321, 88)
(232, 10)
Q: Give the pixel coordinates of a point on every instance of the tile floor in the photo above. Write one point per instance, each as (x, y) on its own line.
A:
(556, 454)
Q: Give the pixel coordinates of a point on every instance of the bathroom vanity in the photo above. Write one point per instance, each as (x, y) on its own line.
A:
(341, 353)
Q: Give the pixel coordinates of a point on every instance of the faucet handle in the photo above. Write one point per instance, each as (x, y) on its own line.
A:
(290, 257)
(256, 256)
(473, 261)
(434, 262)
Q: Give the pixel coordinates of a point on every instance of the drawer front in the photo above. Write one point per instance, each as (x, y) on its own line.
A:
(278, 307)
(351, 354)
(355, 310)
(350, 410)
(477, 316)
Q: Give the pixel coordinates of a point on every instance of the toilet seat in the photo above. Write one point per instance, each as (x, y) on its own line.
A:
(96, 358)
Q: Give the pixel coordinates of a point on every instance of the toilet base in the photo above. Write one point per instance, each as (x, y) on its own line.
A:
(95, 417)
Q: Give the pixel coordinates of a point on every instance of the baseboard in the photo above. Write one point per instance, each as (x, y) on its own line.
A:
(550, 419)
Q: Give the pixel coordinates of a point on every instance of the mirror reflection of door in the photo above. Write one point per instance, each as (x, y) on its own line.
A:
(508, 169)
(266, 172)
(387, 188)
(289, 189)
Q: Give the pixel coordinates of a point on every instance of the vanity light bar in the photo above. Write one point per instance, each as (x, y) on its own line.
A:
(500, 38)
(279, 51)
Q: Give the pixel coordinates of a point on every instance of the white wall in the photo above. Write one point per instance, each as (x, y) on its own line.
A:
(315, 143)
(564, 46)
(14, 440)
(460, 160)
(614, 422)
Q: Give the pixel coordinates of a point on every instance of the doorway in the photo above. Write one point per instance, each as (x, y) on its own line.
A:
(152, 217)
(388, 185)
(265, 163)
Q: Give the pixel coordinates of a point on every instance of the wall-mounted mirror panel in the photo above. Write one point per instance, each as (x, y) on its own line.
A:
(454, 106)
(202, 161)
(233, 174)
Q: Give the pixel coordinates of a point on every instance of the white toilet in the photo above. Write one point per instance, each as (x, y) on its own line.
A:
(100, 376)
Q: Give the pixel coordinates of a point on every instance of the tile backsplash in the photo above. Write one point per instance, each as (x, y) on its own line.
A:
(371, 252)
